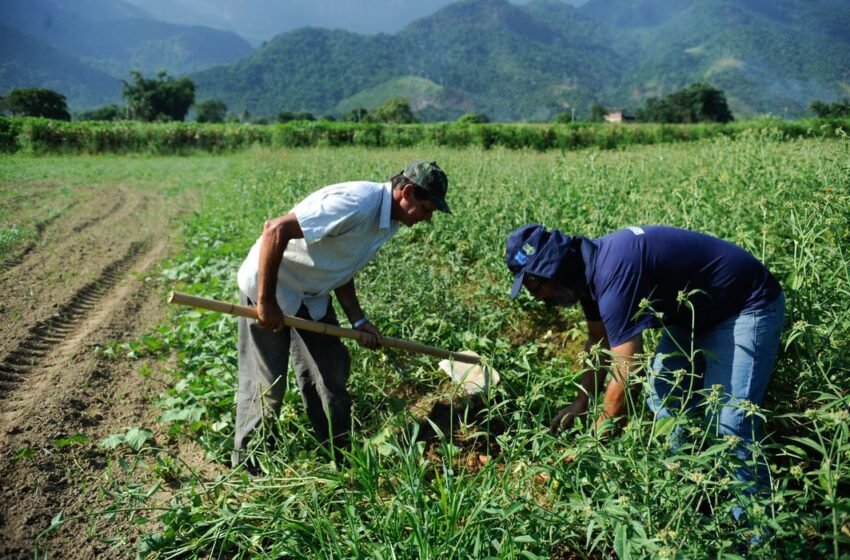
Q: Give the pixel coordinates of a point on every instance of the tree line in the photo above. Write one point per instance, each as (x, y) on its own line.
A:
(164, 98)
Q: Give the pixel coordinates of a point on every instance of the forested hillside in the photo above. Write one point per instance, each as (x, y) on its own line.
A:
(87, 38)
(528, 61)
(769, 57)
(513, 62)
(25, 62)
(536, 60)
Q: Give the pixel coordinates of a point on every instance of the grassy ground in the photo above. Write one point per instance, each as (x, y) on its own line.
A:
(496, 485)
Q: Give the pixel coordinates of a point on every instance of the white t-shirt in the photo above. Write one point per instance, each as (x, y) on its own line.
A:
(344, 225)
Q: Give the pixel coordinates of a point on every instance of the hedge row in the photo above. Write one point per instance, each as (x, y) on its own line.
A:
(42, 136)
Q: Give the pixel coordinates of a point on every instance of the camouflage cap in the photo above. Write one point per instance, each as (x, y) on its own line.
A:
(429, 176)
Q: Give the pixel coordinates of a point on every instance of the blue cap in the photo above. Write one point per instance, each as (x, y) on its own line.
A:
(533, 250)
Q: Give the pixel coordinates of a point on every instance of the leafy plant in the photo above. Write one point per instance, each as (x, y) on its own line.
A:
(135, 438)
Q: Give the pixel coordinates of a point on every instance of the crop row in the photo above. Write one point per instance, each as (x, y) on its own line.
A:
(42, 136)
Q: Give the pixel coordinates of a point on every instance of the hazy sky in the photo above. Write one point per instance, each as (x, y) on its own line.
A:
(258, 20)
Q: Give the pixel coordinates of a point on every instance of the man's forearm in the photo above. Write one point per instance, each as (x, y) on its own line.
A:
(271, 254)
(614, 402)
(591, 382)
(347, 297)
(623, 355)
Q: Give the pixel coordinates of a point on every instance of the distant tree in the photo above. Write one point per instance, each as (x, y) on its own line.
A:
(563, 118)
(598, 112)
(38, 102)
(210, 111)
(111, 112)
(327, 118)
(158, 99)
(4, 105)
(710, 103)
(698, 102)
(356, 115)
(819, 108)
(653, 110)
(473, 118)
(835, 110)
(287, 116)
(396, 110)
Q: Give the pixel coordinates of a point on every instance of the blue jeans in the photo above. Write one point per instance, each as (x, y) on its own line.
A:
(738, 354)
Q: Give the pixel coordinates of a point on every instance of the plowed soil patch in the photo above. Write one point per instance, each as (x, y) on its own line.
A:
(80, 282)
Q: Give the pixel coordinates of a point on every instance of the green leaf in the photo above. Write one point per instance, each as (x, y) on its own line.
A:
(794, 280)
(825, 477)
(151, 342)
(715, 449)
(136, 437)
(57, 521)
(66, 442)
(25, 453)
(524, 539)
(112, 441)
(664, 426)
(621, 541)
(795, 451)
(192, 413)
(811, 443)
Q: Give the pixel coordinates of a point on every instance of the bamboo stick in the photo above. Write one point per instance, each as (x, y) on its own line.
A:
(318, 327)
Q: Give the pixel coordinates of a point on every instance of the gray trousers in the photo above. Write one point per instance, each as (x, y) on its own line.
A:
(321, 365)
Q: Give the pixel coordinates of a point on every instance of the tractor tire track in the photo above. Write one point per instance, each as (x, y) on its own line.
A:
(45, 335)
(69, 251)
(122, 200)
(16, 259)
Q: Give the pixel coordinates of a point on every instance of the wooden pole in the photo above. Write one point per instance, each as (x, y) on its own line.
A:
(318, 327)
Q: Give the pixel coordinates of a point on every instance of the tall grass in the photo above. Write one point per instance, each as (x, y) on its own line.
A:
(488, 481)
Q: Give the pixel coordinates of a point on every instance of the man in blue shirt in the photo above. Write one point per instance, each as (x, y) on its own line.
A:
(706, 294)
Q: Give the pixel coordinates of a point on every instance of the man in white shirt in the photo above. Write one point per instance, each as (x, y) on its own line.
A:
(301, 258)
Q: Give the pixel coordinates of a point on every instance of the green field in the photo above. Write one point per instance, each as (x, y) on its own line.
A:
(500, 488)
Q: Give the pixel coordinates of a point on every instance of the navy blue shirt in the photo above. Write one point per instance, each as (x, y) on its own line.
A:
(656, 263)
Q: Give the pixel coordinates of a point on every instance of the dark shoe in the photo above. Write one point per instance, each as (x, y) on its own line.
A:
(249, 464)
(254, 470)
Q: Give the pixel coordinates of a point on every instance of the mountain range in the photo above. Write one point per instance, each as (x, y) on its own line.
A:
(510, 61)
(83, 48)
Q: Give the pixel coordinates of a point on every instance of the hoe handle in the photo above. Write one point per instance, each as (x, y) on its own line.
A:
(317, 327)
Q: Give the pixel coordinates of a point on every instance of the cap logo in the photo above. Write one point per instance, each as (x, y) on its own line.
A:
(520, 258)
(524, 253)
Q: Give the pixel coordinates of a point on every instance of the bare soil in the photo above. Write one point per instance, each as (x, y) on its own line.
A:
(83, 282)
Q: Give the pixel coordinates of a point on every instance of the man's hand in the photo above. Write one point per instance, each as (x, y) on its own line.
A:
(370, 336)
(269, 316)
(567, 417)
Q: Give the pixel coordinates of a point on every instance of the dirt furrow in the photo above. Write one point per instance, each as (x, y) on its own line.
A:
(122, 200)
(18, 257)
(44, 335)
(81, 285)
